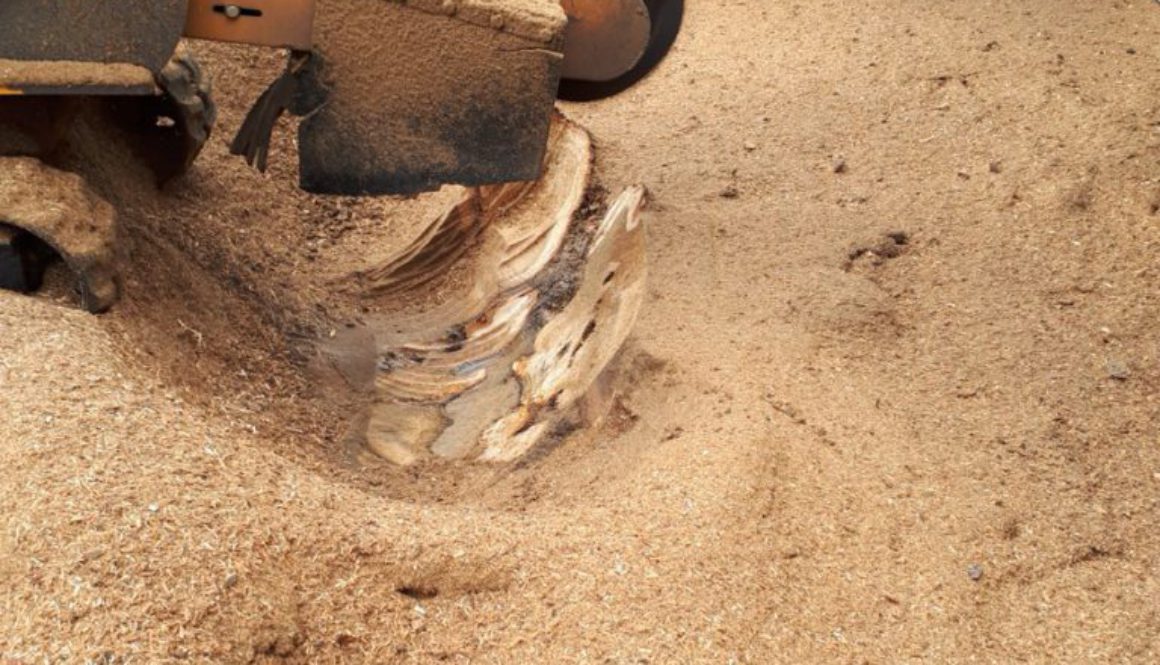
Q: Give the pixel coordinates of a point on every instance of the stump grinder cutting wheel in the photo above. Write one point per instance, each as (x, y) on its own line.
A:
(396, 97)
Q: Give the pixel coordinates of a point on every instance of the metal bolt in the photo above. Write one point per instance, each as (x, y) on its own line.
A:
(233, 11)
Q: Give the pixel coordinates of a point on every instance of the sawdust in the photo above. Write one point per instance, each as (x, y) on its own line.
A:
(23, 73)
(61, 211)
(535, 20)
(918, 455)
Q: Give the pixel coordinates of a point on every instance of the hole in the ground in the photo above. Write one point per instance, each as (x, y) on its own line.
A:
(418, 591)
(24, 259)
(899, 237)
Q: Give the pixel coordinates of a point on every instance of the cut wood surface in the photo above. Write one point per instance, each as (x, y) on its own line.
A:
(493, 373)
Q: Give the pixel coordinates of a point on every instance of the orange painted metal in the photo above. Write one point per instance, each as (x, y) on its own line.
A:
(604, 38)
(277, 23)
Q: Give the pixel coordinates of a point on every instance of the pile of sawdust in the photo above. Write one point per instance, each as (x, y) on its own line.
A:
(829, 445)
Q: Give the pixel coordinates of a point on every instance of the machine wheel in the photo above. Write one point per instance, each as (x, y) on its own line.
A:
(666, 17)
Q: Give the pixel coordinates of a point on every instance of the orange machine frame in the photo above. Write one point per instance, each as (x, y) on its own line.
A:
(277, 23)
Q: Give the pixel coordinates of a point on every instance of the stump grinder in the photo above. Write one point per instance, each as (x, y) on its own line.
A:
(396, 97)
